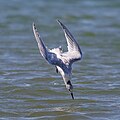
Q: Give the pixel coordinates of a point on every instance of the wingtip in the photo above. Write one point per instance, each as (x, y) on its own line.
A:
(34, 27)
(61, 24)
(33, 24)
(58, 20)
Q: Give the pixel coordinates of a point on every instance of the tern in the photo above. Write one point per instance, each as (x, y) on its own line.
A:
(61, 60)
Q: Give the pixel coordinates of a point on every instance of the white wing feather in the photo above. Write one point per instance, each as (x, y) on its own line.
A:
(49, 56)
(74, 52)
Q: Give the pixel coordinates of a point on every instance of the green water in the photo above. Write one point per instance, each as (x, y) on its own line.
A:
(30, 89)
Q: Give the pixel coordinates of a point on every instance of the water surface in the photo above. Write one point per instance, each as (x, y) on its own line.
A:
(31, 89)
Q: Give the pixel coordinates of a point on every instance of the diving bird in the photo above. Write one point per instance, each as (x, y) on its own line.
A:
(61, 60)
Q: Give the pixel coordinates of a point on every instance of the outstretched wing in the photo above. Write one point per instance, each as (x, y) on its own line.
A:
(74, 52)
(50, 57)
(42, 48)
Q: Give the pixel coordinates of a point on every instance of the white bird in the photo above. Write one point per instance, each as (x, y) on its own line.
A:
(61, 60)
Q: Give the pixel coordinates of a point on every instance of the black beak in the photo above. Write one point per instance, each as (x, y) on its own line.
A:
(72, 95)
(70, 88)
